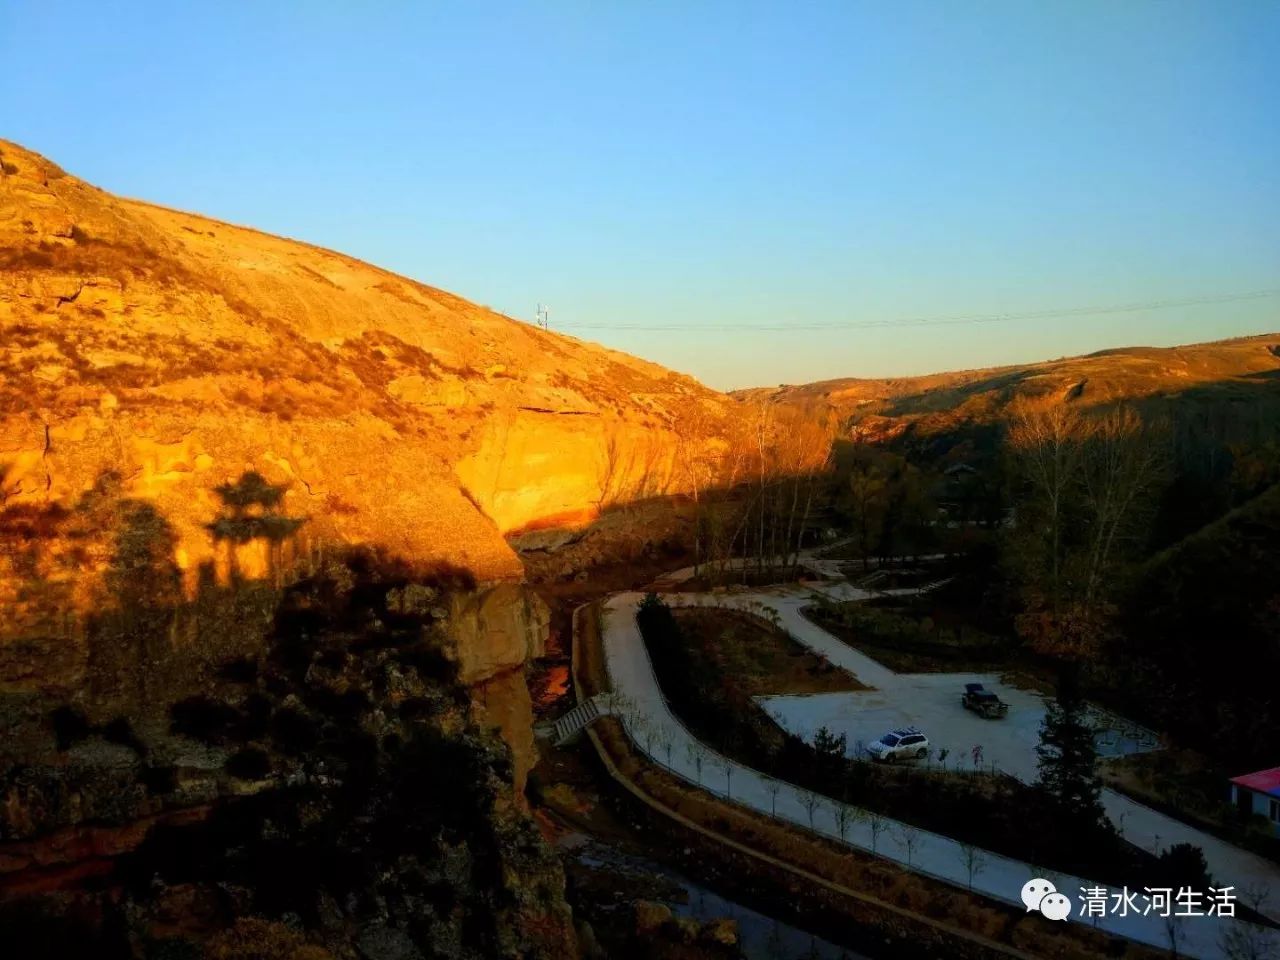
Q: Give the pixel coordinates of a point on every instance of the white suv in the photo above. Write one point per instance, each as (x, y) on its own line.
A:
(907, 743)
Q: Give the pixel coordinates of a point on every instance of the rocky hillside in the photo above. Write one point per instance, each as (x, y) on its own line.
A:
(261, 507)
(1231, 373)
(179, 352)
(173, 386)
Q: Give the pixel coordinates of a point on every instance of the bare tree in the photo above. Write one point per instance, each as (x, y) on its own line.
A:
(811, 802)
(666, 743)
(878, 823)
(845, 818)
(1123, 460)
(866, 488)
(909, 836)
(698, 464)
(652, 735)
(638, 726)
(1046, 445)
(612, 467)
(695, 755)
(773, 787)
(974, 860)
(1091, 484)
(1174, 933)
(786, 455)
(725, 766)
(1251, 941)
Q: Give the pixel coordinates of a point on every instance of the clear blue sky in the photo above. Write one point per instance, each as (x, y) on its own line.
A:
(698, 164)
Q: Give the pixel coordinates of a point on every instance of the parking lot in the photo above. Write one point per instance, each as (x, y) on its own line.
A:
(931, 702)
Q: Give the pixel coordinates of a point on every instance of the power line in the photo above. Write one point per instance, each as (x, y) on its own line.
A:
(1142, 305)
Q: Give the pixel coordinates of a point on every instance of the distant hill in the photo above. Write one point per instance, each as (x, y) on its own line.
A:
(1190, 380)
(1202, 621)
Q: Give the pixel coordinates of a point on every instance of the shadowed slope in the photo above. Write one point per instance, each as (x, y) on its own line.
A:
(1230, 371)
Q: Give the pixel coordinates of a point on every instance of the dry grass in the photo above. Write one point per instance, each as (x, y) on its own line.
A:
(868, 875)
(872, 633)
(1188, 786)
(762, 658)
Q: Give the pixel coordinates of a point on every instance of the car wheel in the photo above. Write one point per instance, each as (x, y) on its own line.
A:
(922, 753)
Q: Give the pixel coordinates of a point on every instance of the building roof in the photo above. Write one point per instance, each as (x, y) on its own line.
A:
(1264, 781)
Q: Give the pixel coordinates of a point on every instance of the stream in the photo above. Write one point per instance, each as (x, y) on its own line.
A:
(761, 937)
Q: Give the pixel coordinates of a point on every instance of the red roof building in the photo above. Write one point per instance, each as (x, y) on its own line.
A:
(1258, 794)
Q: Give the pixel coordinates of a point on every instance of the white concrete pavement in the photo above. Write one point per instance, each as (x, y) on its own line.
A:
(931, 701)
(658, 733)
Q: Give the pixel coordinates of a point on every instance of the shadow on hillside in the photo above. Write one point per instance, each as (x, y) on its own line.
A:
(1234, 410)
(96, 606)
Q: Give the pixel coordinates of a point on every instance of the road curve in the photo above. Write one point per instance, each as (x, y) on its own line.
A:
(657, 733)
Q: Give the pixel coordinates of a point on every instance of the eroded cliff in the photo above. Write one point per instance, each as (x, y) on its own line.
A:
(201, 423)
(251, 402)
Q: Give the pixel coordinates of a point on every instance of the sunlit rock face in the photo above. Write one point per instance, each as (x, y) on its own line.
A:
(497, 629)
(534, 470)
(153, 360)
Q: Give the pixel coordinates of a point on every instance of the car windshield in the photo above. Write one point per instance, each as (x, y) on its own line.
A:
(889, 740)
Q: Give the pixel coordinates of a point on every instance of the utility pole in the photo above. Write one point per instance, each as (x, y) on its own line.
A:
(543, 316)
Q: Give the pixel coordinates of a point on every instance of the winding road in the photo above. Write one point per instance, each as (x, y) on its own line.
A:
(656, 732)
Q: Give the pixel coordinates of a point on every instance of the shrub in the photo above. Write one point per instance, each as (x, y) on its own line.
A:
(204, 719)
(1183, 865)
(430, 661)
(257, 715)
(159, 780)
(250, 763)
(293, 731)
(69, 727)
(345, 707)
(254, 939)
(239, 670)
(120, 731)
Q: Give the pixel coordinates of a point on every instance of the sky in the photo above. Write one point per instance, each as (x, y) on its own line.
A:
(705, 183)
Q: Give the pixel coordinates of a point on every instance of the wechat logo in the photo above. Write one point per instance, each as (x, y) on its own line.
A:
(1039, 894)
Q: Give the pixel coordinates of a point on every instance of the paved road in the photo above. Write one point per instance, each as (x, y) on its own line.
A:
(657, 732)
(931, 702)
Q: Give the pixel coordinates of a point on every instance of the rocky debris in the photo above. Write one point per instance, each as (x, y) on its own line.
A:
(650, 916)
(350, 797)
(94, 782)
(722, 931)
(387, 943)
(658, 932)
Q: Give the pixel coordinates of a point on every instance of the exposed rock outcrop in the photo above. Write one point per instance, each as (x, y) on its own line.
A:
(196, 419)
(336, 790)
(177, 355)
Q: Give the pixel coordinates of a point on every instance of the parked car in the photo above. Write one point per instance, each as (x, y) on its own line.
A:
(983, 702)
(904, 744)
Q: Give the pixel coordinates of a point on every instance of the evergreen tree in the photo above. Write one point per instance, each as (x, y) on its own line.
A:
(830, 750)
(1068, 758)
